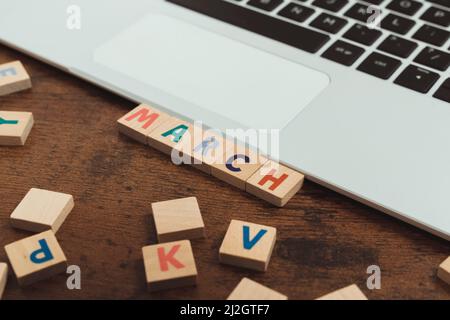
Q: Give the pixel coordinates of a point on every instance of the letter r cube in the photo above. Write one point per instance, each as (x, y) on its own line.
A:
(36, 258)
(169, 265)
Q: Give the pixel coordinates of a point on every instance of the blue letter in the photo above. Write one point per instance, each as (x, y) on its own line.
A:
(230, 161)
(248, 244)
(44, 251)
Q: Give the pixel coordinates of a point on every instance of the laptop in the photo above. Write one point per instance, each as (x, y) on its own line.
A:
(359, 90)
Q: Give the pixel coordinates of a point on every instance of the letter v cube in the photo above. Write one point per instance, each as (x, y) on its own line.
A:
(248, 245)
(169, 265)
(36, 258)
(139, 122)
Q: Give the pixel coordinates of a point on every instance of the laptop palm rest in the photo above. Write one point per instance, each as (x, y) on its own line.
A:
(213, 72)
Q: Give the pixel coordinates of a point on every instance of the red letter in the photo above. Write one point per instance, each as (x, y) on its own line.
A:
(164, 259)
(276, 181)
(144, 116)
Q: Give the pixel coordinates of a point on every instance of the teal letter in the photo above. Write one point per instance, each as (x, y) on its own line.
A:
(177, 132)
(248, 244)
(44, 252)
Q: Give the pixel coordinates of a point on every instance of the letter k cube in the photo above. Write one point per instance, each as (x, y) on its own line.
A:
(169, 265)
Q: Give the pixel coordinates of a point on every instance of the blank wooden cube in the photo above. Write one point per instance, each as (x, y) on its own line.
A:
(444, 270)
(3, 277)
(351, 292)
(13, 78)
(250, 290)
(139, 122)
(178, 219)
(36, 258)
(41, 210)
(248, 245)
(169, 265)
(240, 164)
(15, 127)
(275, 183)
(166, 136)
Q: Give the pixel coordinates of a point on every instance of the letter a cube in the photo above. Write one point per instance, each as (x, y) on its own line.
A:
(36, 258)
(169, 265)
(248, 245)
(13, 78)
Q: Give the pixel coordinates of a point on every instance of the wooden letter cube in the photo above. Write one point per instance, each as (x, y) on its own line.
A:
(275, 183)
(178, 219)
(139, 122)
(239, 165)
(3, 277)
(171, 133)
(36, 258)
(248, 245)
(351, 292)
(444, 270)
(41, 210)
(169, 265)
(13, 78)
(15, 127)
(251, 290)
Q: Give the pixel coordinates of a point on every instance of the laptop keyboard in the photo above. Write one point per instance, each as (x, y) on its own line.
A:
(410, 47)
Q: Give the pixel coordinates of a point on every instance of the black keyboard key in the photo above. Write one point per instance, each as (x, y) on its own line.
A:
(437, 16)
(432, 35)
(328, 23)
(398, 46)
(296, 12)
(263, 24)
(374, 1)
(443, 92)
(362, 34)
(343, 53)
(444, 3)
(359, 12)
(408, 7)
(397, 24)
(417, 79)
(267, 5)
(331, 5)
(379, 65)
(434, 58)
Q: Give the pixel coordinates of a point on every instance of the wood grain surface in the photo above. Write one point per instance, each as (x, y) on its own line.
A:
(325, 241)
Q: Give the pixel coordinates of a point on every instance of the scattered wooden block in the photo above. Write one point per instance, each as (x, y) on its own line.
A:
(139, 122)
(444, 270)
(240, 164)
(248, 245)
(275, 183)
(351, 292)
(13, 78)
(41, 210)
(169, 265)
(15, 127)
(169, 134)
(250, 290)
(178, 219)
(36, 258)
(3, 277)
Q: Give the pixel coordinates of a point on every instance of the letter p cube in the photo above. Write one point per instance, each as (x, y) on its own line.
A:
(169, 265)
(36, 258)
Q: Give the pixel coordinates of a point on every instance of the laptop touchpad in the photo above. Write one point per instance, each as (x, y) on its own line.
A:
(224, 76)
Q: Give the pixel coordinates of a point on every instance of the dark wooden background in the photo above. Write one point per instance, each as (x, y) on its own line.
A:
(325, 240)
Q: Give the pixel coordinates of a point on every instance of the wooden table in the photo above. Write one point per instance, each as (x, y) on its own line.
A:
(325, 240)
